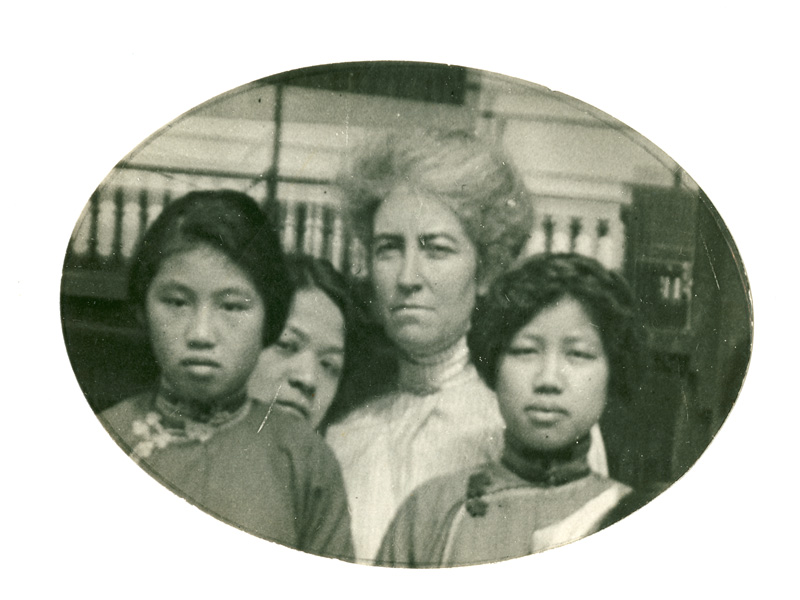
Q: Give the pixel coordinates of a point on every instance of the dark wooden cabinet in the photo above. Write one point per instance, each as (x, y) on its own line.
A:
(695, 309)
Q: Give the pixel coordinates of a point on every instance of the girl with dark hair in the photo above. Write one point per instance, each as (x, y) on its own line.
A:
(302, 370)
(555, 339)
(210, 285)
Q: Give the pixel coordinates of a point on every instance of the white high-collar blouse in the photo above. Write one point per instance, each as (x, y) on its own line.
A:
(441, 419)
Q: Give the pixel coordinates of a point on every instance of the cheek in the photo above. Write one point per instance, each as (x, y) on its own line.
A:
(271, 365)
(163, 333)
(513, 381)
(382, 280)
(462, 282)
(595, 389)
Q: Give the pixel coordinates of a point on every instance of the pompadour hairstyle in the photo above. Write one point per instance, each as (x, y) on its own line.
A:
(467, 174)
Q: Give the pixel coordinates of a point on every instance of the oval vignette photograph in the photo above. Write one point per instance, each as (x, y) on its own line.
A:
(406, 314)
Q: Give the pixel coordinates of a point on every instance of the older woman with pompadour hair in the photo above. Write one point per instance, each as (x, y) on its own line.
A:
(441, 214)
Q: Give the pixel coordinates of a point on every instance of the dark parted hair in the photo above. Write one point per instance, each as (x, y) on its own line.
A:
(469, 175)
(230, 222)
(308, 273)
(519, 295)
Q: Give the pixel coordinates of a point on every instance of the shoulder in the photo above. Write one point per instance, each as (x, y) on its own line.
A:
(441, 495)
(133, 406)
(119, 419)
(295, 438)
(419, 531)
(364, 425)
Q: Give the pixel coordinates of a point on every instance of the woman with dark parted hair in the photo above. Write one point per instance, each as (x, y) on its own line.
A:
(441, 214)
(557, 339)
(301, 371)
(210, 285)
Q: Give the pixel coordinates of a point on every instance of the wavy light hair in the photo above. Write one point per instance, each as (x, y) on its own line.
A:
(467, 174)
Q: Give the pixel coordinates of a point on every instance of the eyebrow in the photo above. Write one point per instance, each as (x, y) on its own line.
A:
(432, 237)
(235, 291)
(174, 284)
(571, 338)
(425, 238)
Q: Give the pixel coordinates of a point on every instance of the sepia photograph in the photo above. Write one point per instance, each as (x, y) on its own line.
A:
(361, 320)
(453, 317)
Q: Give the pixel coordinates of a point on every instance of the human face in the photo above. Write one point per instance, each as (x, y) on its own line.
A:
(301, 371)
(206, 321)
(552, 382)
(424, 270)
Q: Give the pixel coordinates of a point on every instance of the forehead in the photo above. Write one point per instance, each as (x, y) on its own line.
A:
(565, 318)
(406, 211)
(317, 317)
(202, 268)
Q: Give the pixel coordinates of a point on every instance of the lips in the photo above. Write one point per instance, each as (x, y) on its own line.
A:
(404, 308)
(545, 414)
(296, 408)
(200, 366)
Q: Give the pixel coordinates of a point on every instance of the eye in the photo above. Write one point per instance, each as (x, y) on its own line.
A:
(522, 351)
(438, 251)
(288, 345)
(174, 301)
(235, 305)
(382, 249)
(331, 367)
(581, 355)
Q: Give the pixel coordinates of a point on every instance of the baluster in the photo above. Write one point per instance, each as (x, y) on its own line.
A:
(604, 243)
(308, 229)
(319, 230)
(106, 221)
(289, 225)
(664, 291)
(586, 242)
(119, 204)
(131, 219)
(81, 239)
(561, 235)
(677, 287)
(94, 217)
(337, 242)
(548, 226)
(144, 207)
(617, 241)
(536, 242)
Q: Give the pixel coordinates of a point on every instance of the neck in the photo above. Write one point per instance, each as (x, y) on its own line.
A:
(547, 467)
(428, 374)
(174, 407)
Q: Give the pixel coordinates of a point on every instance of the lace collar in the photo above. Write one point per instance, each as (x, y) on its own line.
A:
(424, 376)
(173, 421)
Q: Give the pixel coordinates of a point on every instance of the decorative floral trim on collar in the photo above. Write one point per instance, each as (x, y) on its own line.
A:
(164, 426)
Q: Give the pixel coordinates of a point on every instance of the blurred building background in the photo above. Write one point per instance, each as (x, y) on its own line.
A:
(600, 189)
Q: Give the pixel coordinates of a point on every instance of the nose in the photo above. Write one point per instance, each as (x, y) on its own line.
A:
(200, 333)
(550, 379)
(410, 278)
(303, 375)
